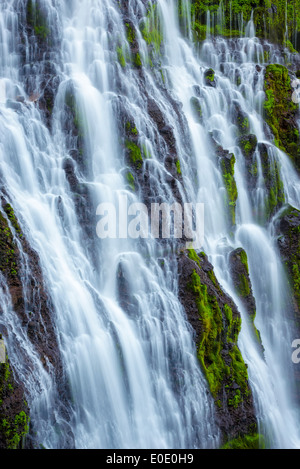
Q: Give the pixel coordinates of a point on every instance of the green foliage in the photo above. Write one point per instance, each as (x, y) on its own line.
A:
(251, 441)
(130, 33)
(14, 431)
(130, 180)
(227, 167)
(280, 110)
(121, 57)
(193, 256)
(37, 19)
(219, 330)
(12, 427)
(8, 248)
(178, 167)
(135, 154)
(151, 29)
(271, 19)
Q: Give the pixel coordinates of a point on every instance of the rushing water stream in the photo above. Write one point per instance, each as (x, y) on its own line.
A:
(132, 370)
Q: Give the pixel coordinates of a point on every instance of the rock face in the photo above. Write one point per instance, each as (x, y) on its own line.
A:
(216, 322)
(32, 304)
(281, 111)
(273, 184)
(226, 162)
(14, 419)
(238, 264)
(287, 228)
(209, 78)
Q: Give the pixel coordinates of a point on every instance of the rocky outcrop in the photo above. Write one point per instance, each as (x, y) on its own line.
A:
(40, 55)
(281, 112)
(275, 197)
(209, 78)
(20, 266)
(238, 264)
(248, 146)
(14, 412)
(287, 228)
(217, 322)
(226, 161)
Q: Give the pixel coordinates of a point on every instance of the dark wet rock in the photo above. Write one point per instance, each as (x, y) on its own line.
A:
(287, 229)
(32, 304)
(14, 411)
(209, 78)
(216, 322)
(272, 180)
(197, 109)
(282, 112)
(238, 264)
(240, 118)
(247, 144)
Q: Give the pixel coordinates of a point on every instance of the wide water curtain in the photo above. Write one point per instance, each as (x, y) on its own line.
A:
(120, 333)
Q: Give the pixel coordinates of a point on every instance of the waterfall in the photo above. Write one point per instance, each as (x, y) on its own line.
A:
(126, 347)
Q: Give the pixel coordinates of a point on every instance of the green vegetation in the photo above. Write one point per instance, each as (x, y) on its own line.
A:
(151, 29)
(280, 110)
(121, 57)
(219, 330)
(178, 167)
(15, 431)
(134, 154)
(251, 441)
(275, 197)
(227, 168)
(37, 19)
(8, 248)
(289, 244)
(130, 180)
(248, 145)
(196, 108)
(271, 17)
(13, 427)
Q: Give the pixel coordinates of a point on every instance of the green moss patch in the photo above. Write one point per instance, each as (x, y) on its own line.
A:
(281, 111)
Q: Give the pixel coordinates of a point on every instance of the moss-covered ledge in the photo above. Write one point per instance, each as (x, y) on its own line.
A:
(251, 441)
(238, 263)
(281, 112)
(217, 323)
(14, 412)
(287, 229)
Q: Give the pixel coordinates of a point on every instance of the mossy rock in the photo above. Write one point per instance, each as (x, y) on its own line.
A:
(14, 412)
(251, 441)
(238, 263)
(37, 20)
(241, 119)
(270, 19)
(288, 231)
(227, 163)
(209, 77)
(248, 145)
(281, 112)
(217, 323)
(275, 197)
(195, 103)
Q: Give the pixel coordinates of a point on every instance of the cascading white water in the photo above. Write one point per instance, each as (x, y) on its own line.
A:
(133, 375)
(134, 381)
(270, 377)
